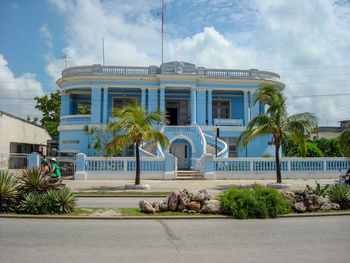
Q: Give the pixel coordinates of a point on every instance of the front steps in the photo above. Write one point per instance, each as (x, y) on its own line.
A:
(189, 175)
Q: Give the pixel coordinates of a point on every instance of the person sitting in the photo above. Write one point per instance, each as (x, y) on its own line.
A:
(55, 170)
(347, 177)
(45, 168)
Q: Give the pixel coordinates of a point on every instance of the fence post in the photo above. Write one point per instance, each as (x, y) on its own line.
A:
(80, 173)
(324, 165)
(169, 167)
(209, 167)
(33, 160)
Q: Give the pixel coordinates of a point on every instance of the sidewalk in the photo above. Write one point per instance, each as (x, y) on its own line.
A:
(212, 186)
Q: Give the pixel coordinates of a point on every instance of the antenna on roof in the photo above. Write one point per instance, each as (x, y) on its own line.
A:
(103, 52)
(65, 59)
(162, 13)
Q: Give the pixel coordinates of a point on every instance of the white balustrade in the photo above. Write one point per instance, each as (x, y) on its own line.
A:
(75, 119)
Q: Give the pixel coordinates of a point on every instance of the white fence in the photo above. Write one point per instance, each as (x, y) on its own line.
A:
(265, 168)
(13, 161)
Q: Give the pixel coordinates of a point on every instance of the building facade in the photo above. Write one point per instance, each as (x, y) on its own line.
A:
(19, 137)
(198, 102)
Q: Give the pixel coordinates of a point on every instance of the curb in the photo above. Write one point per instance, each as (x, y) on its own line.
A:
(123, 196)
(160, 217)
(115, 217)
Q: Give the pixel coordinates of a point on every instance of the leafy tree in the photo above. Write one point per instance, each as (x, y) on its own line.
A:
(312, 151)
(329, 147)
(51, 112)
(277, 123)
(101, 137)
(134, 126)
(51, 109)
(344, 142)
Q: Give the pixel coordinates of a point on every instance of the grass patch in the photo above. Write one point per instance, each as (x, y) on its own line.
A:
(123, 193)
(137, 212)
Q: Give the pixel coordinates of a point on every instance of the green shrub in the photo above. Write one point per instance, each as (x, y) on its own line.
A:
(8, 192)
(65, 201)
(340, 194)
(32, 180)
(318, 190)
(257, 202)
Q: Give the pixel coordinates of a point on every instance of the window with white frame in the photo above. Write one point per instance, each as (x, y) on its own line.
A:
(221, 109)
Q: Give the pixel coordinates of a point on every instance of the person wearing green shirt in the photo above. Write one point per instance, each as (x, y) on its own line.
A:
(55, 169)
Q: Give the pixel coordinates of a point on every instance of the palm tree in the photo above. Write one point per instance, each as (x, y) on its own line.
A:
(277, 123)
(134, 127)
(344, 142)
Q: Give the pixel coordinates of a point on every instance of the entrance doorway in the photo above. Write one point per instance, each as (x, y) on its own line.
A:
(172, 116)
(177, 111)
(181, 151)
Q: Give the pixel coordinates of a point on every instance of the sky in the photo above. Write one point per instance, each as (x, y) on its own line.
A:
(306, 42)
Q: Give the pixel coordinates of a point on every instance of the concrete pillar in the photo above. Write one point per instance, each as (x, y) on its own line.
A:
(66, 104)
(201, 107)
(96, 100)
(245, 106)
(33, 160)
(193, 106)
(210, 107)
(80, 173)
(162, 100)
(143, 98)
(105, 105)
(152, 100)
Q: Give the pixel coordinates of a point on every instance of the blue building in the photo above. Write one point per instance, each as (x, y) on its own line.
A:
(198, 102)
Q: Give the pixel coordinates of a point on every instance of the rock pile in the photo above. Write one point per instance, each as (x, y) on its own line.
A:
(183, 201)
(305, 200)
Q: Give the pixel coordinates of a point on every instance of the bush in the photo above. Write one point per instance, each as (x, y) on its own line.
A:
(8, 192)
(257, 202)
(53, 201)
(318, 190)
(65, 200)
(32, 180)
(340, 194)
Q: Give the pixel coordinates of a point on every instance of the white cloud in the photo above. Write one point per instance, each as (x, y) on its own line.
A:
(45, 33)
(306, 42)
(17, 93)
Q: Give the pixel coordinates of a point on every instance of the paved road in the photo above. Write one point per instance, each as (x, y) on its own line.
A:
(113, 201)
(321, 239)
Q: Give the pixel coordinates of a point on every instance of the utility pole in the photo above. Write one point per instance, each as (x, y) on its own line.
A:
(162, 13)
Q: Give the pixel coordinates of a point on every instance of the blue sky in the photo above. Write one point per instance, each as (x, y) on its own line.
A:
(306, 42)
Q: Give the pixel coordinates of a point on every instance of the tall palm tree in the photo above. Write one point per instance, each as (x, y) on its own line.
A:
(134, 126)
(344, 142)
(277, 123)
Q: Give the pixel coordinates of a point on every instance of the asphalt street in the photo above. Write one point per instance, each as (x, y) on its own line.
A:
(319, 239)
(120, 202)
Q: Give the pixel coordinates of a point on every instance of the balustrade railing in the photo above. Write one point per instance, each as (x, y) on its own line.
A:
(144, 71)
(228, 122)
(75, 119)
(121, 164)
(222, 146)
(286, 164)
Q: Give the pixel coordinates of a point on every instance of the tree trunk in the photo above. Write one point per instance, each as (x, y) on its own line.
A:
(137, 153)
(278, 167)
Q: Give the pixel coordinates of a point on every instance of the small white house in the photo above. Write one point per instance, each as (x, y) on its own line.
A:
(18, 137)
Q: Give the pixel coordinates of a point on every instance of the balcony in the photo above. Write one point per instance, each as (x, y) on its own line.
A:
(75, 120)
